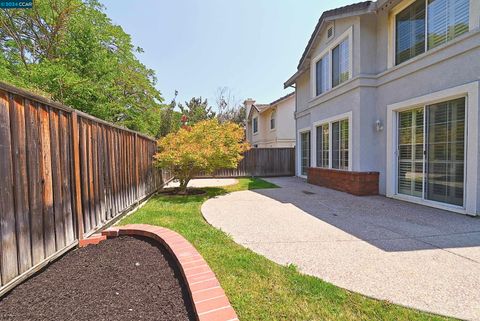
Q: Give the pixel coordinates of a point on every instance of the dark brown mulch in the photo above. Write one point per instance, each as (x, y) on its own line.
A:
(121, 279)
(176, 191)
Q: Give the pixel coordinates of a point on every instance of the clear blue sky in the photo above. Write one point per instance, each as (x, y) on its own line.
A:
(196, 46)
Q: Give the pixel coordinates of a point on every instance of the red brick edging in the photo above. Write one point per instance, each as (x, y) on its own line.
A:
(209, 299)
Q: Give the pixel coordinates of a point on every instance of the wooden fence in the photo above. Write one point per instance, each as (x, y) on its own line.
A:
(262, 162)
(64, 174)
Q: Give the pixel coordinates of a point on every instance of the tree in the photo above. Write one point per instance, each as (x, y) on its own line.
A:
(204, 147)
(229, 107)
(197, 110)
(71, 50)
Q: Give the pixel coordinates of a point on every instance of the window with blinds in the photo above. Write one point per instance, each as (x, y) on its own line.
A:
(426, 24)
(410, 32)
(410, 152)
(322, 81)
(255, 125)
(340, 63)
(340, 138)
(447, 19)
(323, 147)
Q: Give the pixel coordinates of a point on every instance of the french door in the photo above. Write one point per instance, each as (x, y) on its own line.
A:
(431, 152)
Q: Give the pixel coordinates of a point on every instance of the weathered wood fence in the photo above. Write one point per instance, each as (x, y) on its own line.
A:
(64, 174)
(262, 162)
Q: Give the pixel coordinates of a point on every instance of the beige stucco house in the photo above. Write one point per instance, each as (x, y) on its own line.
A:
(271, 125)
(392, 87)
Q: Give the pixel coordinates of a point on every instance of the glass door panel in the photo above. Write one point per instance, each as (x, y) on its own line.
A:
(305, 145)
(446, 152)
(410, 152)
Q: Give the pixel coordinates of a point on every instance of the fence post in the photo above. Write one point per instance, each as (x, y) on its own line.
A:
(137, 187)
(77, 199)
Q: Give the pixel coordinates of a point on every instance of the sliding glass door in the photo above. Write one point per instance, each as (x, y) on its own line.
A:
(431, 152)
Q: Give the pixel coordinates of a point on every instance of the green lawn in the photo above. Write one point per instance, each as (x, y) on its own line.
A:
(258, 288)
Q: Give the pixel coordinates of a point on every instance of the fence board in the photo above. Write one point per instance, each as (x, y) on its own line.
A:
(34, 181)
(46, 174)
(8, 264)
(19, 157)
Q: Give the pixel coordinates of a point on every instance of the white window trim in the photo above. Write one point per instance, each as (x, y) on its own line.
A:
(328, 51)
(253, 126)
(299, 150)
(329, 121)
(474, 23)
(471, 92)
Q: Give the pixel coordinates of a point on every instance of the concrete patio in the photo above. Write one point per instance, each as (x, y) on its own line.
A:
(405, 253)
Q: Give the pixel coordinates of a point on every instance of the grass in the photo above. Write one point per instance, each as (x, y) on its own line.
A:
(258, 288)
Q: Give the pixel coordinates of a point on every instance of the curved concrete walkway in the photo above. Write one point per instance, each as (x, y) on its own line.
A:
(404, 253)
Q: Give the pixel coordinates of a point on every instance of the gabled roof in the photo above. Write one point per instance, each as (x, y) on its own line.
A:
(342, 12)
(264, 107)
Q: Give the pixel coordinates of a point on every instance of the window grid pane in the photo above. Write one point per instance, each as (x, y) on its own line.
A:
(323, 146)
(341, 63)
(447, 19)
(322, 67)
(340, 139)
(410, 32)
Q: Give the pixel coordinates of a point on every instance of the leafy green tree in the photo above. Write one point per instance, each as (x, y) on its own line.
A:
(197, 110)
(72, 50)
(204, 147)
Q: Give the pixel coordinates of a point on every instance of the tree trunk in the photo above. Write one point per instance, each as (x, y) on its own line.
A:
(184, 186)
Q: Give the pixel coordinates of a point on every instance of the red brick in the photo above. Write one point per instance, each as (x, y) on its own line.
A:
(208, 294)
(197, 270)
(205, 285)
(356, 183)
(201, 277)
(212, 304)
(195, 263)
(92, 240)
(226, 314)
(111, 232)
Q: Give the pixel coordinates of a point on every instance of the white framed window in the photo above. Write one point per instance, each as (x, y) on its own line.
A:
(273, 117)
(417, 26)
(334, 65)
(255, 125)
(333, 142)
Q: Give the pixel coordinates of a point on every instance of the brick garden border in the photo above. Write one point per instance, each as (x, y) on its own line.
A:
(208, 298)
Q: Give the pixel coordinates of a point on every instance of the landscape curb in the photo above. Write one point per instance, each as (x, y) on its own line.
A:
(209, 300)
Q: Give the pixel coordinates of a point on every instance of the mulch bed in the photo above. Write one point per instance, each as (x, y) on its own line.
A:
(125, 278)
(174, 191)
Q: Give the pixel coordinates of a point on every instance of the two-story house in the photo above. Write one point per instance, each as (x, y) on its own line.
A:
(391, 88)
(271, 125)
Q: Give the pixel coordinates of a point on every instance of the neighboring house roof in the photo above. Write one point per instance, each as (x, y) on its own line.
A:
(342, 12)
(260, 108)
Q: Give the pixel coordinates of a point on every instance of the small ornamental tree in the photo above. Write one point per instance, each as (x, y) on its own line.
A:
(204, 147)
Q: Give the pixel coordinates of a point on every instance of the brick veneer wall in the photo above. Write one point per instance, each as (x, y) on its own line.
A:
(356, 183)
